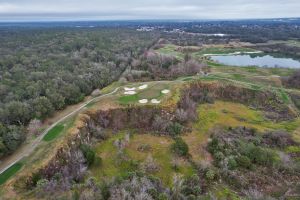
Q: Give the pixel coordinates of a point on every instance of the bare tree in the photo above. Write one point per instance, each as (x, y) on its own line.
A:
(34, 127)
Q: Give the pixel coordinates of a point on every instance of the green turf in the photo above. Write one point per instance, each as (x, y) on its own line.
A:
(10, 172)
(171, 50)
(89, 105)
(221, 50)
(128, 99)
(54, 132)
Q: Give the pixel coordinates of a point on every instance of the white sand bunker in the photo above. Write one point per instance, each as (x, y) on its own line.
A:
(143, 101)
(143, 86)
(129, 89)
(165, 91)
(130, 92)
(155, 101)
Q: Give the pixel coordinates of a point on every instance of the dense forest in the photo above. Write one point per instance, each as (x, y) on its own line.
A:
(43, 70)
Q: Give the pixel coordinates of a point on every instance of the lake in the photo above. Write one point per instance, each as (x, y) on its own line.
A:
(260, 61)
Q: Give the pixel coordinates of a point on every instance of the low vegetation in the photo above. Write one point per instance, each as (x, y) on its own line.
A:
(238, 152)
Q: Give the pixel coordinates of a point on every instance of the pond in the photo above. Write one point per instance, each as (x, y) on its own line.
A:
(256, 60)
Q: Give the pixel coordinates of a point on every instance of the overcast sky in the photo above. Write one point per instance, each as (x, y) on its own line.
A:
(39, 10)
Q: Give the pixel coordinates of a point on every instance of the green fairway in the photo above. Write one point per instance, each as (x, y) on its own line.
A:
(152, 92)
(10, 172)
(222, 50)
(128, 99)
(53, 133)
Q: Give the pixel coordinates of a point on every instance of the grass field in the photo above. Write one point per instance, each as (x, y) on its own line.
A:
(54, 132)
(10, 172)
(172, 50)
(116, 164)
(221, 50)
(293, 43)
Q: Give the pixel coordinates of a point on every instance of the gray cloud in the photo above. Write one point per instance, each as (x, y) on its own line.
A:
(145, 9)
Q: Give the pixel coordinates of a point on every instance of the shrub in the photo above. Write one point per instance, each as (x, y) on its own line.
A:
(150, 165)
(144, 148)
(210, 175)
(219, 156)
(232, 164)
(192, 186)
(260, 155)
(213, 146)
(35, 178)
(175, 129)
(88, 153)
(244, 161)
(180, 147)
(162, 196)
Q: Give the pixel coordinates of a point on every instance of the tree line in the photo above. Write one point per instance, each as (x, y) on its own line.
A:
(44, 70)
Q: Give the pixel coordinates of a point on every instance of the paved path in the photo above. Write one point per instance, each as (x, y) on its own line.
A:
(29, 148)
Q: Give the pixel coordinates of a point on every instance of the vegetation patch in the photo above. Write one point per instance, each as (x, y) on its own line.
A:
(54, 132)
(239, 151)
(143, 152)
(10, 172)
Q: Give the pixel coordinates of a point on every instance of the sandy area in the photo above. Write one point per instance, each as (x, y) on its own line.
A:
(155, 101)
(129, 89)
(143, 101)
(142, 87)
(165, 91)
(130, 92)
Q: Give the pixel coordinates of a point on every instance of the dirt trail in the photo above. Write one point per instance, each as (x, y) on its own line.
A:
(28, 147)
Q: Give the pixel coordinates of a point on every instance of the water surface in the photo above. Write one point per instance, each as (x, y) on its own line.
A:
(255, 60)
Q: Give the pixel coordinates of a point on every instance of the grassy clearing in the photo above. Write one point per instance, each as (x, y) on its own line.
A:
(54, 132)
(171, 50)
(250, 70)
(10, 172)
(225, 114)
(116, 164)
(221, 50)
(293, 43)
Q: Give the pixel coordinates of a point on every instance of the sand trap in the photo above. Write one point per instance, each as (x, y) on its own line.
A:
(155, 101)
(143, 86)
(143, 101)
(165, 91)
(130, 92)
(129, 89)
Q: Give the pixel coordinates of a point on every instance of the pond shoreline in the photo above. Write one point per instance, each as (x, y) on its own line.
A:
(247, 59)
(235, 53)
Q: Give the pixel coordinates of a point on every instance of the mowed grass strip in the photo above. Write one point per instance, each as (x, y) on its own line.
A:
(10, 172)
(54, 132)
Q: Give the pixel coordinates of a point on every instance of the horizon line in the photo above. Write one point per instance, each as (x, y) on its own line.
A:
(149, 20)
